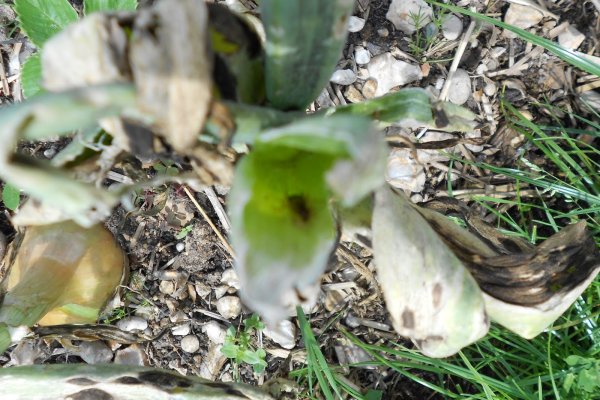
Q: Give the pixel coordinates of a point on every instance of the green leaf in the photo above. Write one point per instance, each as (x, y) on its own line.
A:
(90, 6)
(230, 350)
(5, 340)
(304, 42)
(31, 76)
(282, 229)
(41, 19)
(572, 57)
(11, 196)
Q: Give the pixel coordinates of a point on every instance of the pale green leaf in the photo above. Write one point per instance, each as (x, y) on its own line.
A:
(41, 19)
(31, 76)
(11, 196)
(90, 6)
(304, 42)
(5, 340)
(429, 294)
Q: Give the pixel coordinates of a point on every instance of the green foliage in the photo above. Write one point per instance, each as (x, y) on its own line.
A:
(41, 19)
(184, 232)
(239, 348)
(11, 196)
(304, 41)
(583, 377)
(31, 76)
(90, 6)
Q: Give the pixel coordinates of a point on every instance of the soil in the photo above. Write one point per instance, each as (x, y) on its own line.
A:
(175, 281)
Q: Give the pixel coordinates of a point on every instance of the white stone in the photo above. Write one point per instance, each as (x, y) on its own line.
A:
(132, 355)
(460, 87)
(190, 344)
(404, 13)
(181, 330)
(362, 56)
(390, 73)
(130, 324)
(452, 27)
(522, 16)
(343, 77)
(95, 352)
(571, 38)
(180, 247)
(229, 307)
(404, 172)
(215, 332)
(230, 278)
(355, 24)
(283, 333)
(490, 89)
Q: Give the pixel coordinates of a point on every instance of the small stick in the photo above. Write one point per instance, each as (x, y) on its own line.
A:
(459, 53)
(207, 218)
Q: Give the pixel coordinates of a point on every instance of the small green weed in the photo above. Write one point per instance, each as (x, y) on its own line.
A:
(11, 197)
(239, 348)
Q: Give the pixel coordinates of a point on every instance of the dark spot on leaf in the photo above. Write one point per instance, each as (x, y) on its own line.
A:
(437, 295)
(408, 319)
(90, 394)
(227, 389)
(81, 381)
(299, 207)
(164, 380)
(128, 380)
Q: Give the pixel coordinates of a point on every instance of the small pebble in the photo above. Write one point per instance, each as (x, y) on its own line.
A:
(361, 55)
(390, 72)
(50, 152)
(190, 344)
(353, 95)
(230, 278)
(460, 87)
(490, 89)
(229, 307)
(180, 247)
(181, 330)
(343, 77)
(369, 88)
(166, 287)
(452, 27)
(402, 14)
(215, 332)
(383, 32)
(132, 355)
(95, 352)
(356, 24)
(130, 324)
(284, 334)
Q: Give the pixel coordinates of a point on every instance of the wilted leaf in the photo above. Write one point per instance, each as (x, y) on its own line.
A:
(41, 19)
(304, 42)
(283, 231)
(525, 288)
(114, 381)
(90, 6)
(172, 68)
(49, 115)
(430, 295)
(31, 76)
(62, 273)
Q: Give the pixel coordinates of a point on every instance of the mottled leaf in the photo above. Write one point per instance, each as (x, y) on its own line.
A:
(430, 295)
(31, 76)
(90, 6)
(304, 42)
(41, 19)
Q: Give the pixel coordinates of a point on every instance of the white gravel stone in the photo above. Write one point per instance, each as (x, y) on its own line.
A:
(132, 355)
(490, 89)
(181, 330)
(284, 334)
(130, 324)
(190, 344)
(404, 172)
(180, 247)
(571, 38)
(230, 278)
(390, 73)
(343, 77)
(452, 27)
(356, 24)
(166, 287)
(216, 332)
(460, 87)
(522, 16)
(362, 56)
(229, 307)
(404, 13)
(95, 352)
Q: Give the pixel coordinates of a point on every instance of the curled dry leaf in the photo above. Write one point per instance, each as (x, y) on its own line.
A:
(430, 295)
(60, 273)
(526, 288)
